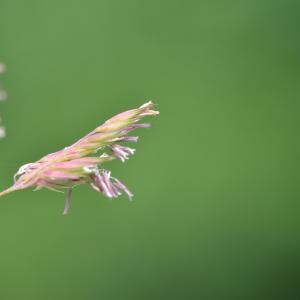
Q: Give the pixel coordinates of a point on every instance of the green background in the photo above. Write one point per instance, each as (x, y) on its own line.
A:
(216, 179)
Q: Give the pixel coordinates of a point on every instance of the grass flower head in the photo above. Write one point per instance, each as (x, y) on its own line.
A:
(81, 163)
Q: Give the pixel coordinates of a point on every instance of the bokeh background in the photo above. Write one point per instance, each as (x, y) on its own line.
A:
(216, 179)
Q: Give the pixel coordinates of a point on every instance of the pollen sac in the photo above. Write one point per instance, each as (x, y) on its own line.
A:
(122, 152)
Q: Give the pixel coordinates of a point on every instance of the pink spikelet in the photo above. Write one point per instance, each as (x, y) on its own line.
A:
(81, 163)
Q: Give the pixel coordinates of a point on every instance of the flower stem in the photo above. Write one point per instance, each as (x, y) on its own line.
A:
(67, 202)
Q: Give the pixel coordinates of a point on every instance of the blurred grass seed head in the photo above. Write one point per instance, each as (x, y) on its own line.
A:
(3, 96)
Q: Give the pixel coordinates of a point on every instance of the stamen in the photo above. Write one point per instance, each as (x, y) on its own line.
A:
(122, 187)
